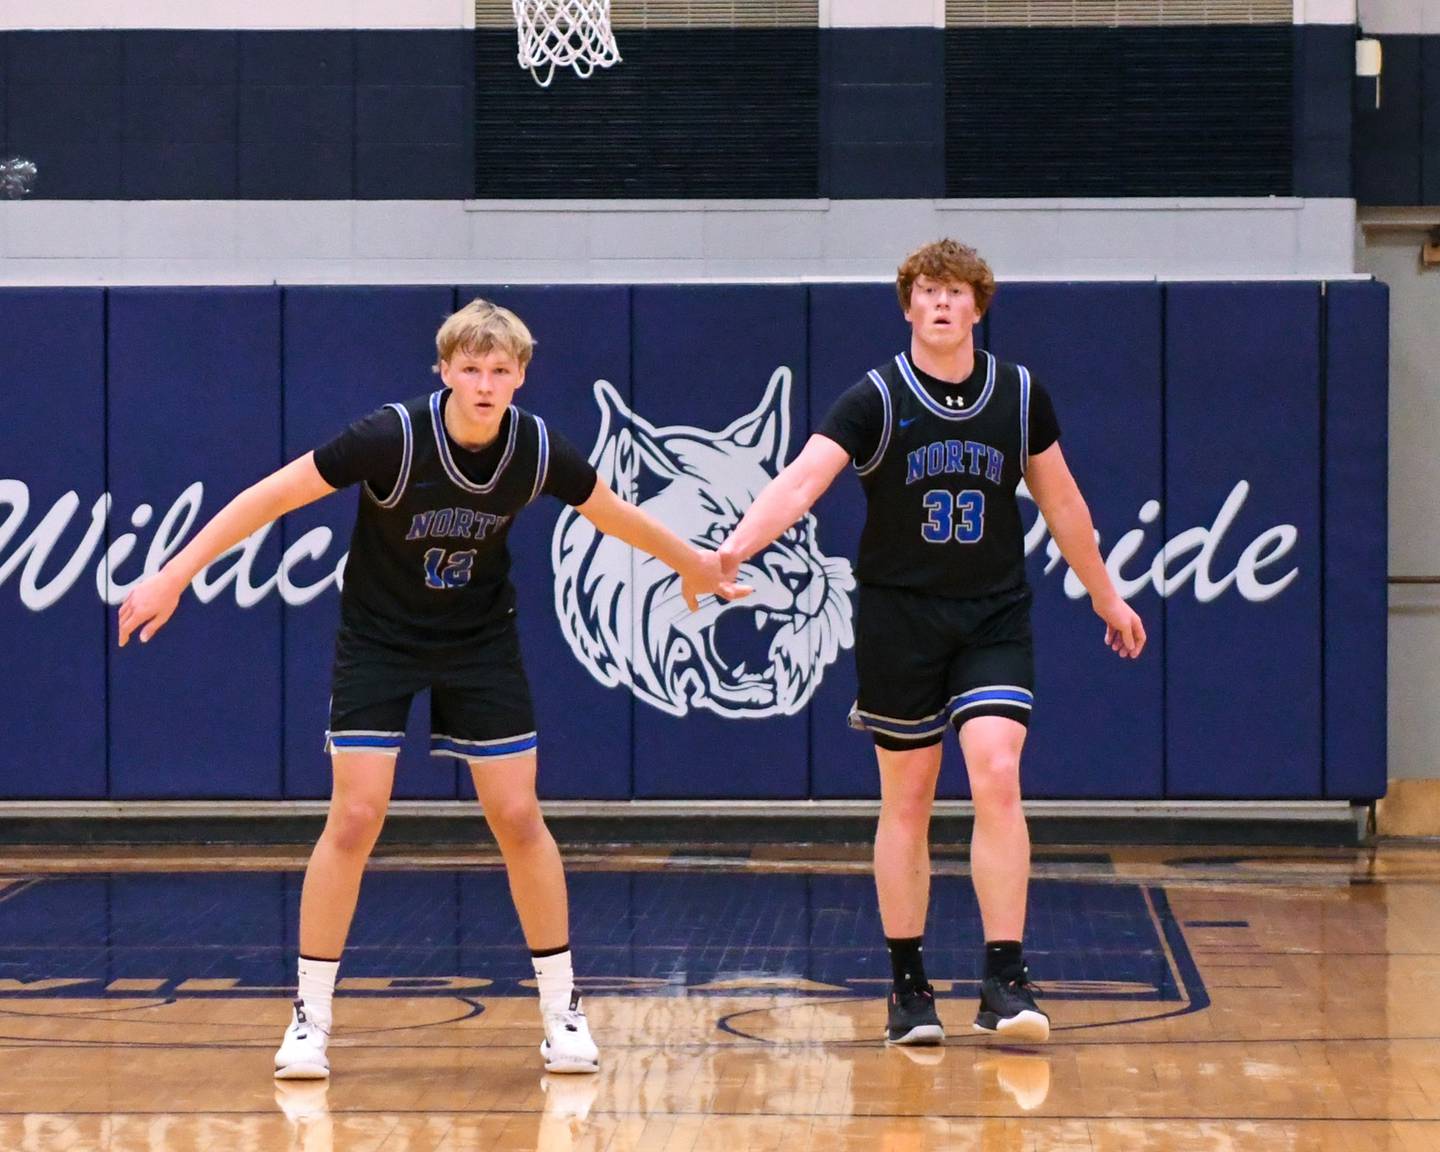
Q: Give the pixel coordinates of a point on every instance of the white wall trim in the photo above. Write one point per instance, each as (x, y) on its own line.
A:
(882, 13)
(1399, 17)
(1324, 11)
(454, 242)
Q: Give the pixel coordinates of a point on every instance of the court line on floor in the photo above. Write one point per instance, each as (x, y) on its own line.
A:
(1048, 1118)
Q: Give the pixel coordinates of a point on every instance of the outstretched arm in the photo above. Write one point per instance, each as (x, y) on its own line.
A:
(784, 500)
(699, 570)
(1068, 517)
(152, 601)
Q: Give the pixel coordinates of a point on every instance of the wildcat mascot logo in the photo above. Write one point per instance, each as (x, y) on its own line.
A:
(622, 611)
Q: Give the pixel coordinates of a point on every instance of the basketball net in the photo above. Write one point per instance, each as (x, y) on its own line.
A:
(564, 34)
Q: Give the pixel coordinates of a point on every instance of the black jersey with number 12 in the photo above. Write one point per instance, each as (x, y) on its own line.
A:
(428, 563)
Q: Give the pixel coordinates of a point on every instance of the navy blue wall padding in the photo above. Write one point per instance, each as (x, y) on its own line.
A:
(1242, 375)
(883, 111)
(584, 727)
(1356, 479)
(702, 357)
(1388, 139)
(347, 352)
(170, 388)
(1324, 75)
(853, 328)
(1098, 354)
(194, 397)
(52, 449)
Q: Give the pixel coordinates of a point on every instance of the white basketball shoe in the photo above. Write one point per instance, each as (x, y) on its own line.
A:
(568, 1046)
(302, 1052)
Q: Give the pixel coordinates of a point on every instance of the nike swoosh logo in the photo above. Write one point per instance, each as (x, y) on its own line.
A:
(907, 423)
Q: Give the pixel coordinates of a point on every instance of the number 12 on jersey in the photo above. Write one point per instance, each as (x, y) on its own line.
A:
(959, 516)
(452, 571)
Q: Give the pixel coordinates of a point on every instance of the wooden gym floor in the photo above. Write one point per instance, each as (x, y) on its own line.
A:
(1285, 1000)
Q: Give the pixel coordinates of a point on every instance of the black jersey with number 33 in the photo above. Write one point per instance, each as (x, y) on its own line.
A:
(428, 559)
(942, 513)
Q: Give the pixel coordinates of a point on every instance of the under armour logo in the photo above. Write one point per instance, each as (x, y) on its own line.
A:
(954, 401)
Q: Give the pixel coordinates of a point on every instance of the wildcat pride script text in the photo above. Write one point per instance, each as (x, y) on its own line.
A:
(53, 551)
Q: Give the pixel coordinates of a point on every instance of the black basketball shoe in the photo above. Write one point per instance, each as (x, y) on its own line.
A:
(912, 1017)
(1008, 1009)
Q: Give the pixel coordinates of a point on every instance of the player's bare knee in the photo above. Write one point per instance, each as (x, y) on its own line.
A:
(995, 784)
(516, 823)
(354, 824)
(909, 812)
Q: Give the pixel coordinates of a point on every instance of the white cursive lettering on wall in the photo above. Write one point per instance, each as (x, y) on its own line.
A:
(1200, 544)
(1187, 556)
(310, 546)
(36, 548)
(234, 567)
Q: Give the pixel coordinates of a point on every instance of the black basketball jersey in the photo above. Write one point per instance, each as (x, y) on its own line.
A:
(429, 565)
(942, 515)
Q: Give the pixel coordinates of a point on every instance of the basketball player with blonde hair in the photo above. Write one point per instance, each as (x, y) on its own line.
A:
(428, 604)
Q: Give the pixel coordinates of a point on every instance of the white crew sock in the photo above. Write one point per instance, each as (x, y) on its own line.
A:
(555, 979)
(317, 988)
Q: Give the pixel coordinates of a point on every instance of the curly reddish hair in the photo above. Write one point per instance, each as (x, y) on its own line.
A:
(950, 262)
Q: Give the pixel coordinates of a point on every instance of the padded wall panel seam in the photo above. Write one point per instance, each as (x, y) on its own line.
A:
(53, 513)
(1098, 354)
(347, 351)
(1243, 484)
(194, 392)
(585, 726)
(722, 712)
(1356, 533)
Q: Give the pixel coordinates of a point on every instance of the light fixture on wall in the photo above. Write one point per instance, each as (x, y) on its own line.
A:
(1368, 62)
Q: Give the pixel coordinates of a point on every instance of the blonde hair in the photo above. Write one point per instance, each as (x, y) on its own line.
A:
(950, 262)
(481, 327)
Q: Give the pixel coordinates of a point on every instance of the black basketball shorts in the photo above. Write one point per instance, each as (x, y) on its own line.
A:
(479, 698)
(928, 662)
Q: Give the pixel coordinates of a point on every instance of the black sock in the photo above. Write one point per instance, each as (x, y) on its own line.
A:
(1002, 957)
(906, 967)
